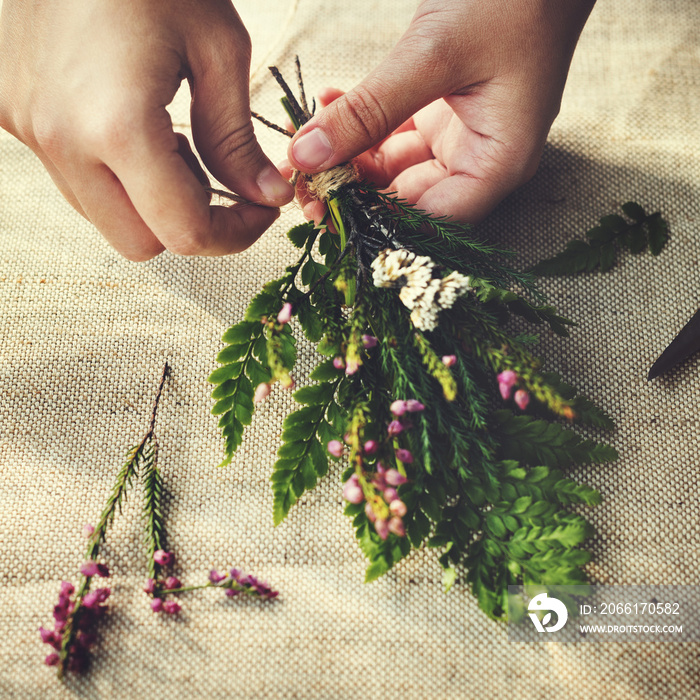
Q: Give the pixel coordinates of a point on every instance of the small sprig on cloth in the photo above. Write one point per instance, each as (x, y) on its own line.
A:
(455, 435)
(640, 231)
(78, 611)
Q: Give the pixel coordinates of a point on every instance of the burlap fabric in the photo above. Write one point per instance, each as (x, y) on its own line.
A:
(85, 334)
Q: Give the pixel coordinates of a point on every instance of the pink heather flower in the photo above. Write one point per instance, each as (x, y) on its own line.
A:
(102, 594)
(404, 455)
(51, 637)
(369, 512)
(507, 377)
(390, 494)
(171, 607)
(398, 407)
(351, 367)
(397, 507)
(370, 447)
(412, 406)
(396, 526)
(347, 438)
(339, 362)
(102, 570)
(505, 390)
(395, 427)
(335, 448)
(285, 315)
(215, 577)
(88, 530)
(52, 660)
(369, 341)
(449, 360)
(522, 399)
(395, 478)
(382, 527)
(150, 586)
(163, 558)
(353, 493)
(91, 600)
(89, 568)
(262, 391)
(231, 592)
(67, 589)
(156, 605)
(172, 582)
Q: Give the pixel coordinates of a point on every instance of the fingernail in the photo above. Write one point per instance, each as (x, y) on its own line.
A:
(274, 187)
(312, 150)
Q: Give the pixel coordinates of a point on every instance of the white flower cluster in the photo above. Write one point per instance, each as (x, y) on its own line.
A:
(424, 294)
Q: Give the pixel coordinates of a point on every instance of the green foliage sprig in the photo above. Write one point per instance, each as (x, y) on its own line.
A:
(640, 231)
(455, 435)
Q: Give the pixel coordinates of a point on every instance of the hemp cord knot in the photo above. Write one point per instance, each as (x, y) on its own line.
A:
(321, 184)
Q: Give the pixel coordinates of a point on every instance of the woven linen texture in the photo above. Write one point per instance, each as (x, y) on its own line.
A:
(85, 334)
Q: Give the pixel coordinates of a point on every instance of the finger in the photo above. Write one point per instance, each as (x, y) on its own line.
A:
(462, 196)
(60, 182)
(221, 123)
(171, 200)
(110, 210)
(396, 154)
(408, 80)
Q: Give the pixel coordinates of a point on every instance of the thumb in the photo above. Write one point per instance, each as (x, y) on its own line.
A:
(410, 78)
(222, 128)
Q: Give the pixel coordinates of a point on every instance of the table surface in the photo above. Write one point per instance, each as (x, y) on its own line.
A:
(85, 334)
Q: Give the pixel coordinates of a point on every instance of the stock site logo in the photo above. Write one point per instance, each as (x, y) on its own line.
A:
(542, 603)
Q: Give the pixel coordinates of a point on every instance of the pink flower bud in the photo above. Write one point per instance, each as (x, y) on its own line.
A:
(102, 594)
(394, 428)
(382, 527)
(67, 589)
(412, 406)
(404, 455)
(390, 494)
(339, 362)
(150, 586)
(89, 568)
(88, 530)
(172, 582)
(90, 600)
(396, 526)
(370, 447)
(507, 377)
(522, 399)
(262, 391)
(505, 390)
(163, 558)
(156, 605)
(395, 478)
(398, 407)
(102, 570)
(347, 438)
(352, 493)
(398, 508)
(335, 448)
(285, 315)
(171, 607)
(369, 512)
(351, 366)
(52, 660)
(369, 341)
(449, 360)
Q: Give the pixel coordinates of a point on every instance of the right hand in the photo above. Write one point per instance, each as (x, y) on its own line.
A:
(85, 86)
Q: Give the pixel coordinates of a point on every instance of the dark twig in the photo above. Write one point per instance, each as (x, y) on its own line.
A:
(302, 93)
(228, 195)
(270, 124)
(294, 105)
